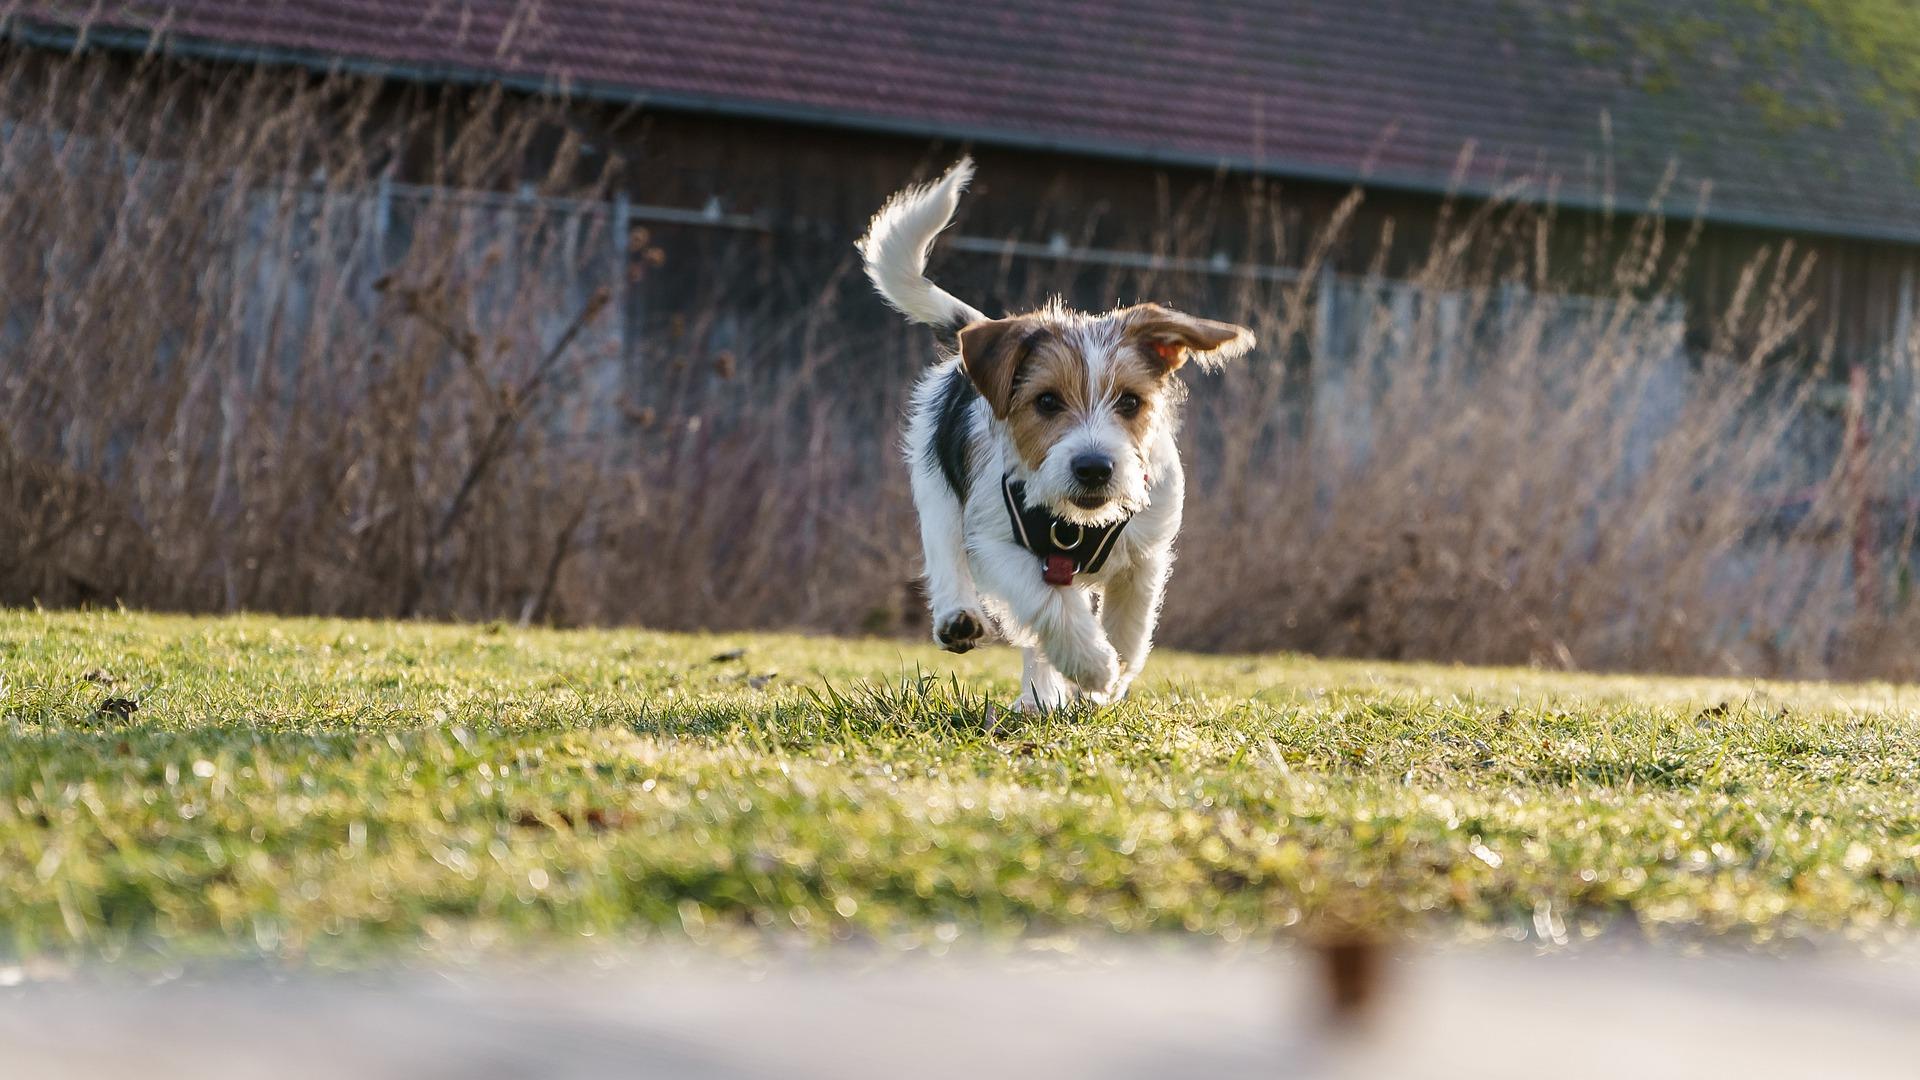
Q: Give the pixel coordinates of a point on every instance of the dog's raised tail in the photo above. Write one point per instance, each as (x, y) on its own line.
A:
(896, 245)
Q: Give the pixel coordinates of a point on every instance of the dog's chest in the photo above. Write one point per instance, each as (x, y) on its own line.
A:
(1143, 536)
(1146, 535)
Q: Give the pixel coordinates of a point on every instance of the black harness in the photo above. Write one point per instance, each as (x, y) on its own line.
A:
(1065, 548)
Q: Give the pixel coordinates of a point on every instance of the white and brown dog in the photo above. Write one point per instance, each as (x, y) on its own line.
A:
(1043, 460)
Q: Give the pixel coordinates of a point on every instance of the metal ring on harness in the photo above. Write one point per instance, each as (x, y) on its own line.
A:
(1053, 533)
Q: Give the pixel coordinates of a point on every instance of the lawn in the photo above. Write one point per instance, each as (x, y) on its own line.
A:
(176, 787)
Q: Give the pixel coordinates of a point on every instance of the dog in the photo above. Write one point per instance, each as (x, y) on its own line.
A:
(1043, 462)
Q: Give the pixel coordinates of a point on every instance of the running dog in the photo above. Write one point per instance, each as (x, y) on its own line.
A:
(1043, 460)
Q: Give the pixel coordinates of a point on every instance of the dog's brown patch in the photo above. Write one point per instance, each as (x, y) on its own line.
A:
(1140, 374)
(1055, 367)
(993, 351)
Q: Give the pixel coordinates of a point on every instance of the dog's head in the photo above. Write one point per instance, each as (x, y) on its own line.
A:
(1083, 398)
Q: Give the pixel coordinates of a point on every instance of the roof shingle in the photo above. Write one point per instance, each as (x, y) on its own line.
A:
(1394, 92)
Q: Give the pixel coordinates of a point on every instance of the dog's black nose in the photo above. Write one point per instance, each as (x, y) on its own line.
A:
(1093, 470)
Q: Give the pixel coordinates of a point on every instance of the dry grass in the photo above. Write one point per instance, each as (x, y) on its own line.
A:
(237, 377)
(1499, 476)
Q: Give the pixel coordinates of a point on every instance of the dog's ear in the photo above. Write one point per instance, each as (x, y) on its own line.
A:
(1170, 338)
(992, 351)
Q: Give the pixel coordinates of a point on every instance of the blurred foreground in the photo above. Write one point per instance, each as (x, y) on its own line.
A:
(1134, 1012)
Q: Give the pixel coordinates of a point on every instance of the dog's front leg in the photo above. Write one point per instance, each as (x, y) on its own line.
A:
(1130, 611)
(959, 623)
(1041, 687)
(1062, 619)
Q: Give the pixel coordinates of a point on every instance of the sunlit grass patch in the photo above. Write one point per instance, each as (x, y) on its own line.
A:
(322, 789)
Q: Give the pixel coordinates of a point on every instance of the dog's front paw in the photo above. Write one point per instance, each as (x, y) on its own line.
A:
(960, 630)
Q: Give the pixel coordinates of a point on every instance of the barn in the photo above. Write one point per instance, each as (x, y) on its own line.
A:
(773, 127)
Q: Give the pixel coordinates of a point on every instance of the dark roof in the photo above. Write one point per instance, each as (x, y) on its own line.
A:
(1587, 97)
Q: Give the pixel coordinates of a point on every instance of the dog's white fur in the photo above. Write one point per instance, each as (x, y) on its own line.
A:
(1088, 640)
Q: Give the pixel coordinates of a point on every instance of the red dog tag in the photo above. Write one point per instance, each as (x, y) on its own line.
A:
(1059, 570)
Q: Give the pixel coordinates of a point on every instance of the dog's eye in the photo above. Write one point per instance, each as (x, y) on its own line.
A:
(1128, 405)
(1049, 404)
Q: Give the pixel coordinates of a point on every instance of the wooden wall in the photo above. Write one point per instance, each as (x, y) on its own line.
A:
(810, 190)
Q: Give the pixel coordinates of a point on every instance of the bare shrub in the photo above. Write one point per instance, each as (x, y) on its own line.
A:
(1497, 475)
(246, 366)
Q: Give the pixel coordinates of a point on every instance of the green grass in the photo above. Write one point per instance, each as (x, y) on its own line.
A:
(334, 790)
